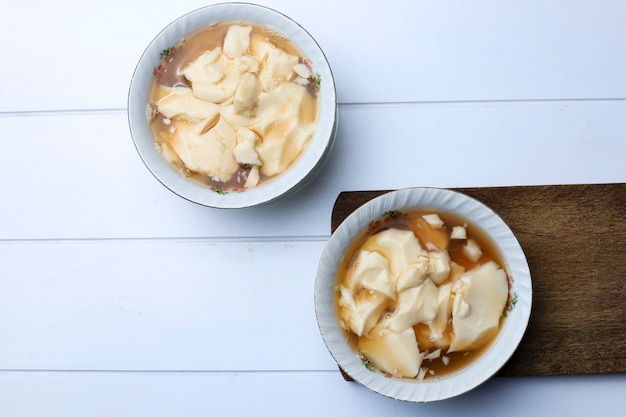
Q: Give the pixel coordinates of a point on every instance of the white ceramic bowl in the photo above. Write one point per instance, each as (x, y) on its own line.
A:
(480, 369)
(301, 171)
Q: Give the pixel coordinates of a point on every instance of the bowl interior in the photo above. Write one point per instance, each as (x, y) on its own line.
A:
(484, 366)
(301, 170)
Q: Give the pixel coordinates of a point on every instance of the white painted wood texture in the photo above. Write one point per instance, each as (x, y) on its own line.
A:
(118, 298)
(402, 51)
(444, 145)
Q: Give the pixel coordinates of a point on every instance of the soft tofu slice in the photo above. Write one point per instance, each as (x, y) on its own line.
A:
(236, 120)
(244, 151)
(433, 220)
(209, 152)
(277, 155)
(237, 41)
(276, 64)
(180, 103)
(211, 78)
(247, 95)
(479, 299)
(359, 313)
(401, 247)
(299, 137)
(394, 353)
(438, 335)
(458, 232)
(287, 102)
(245, 64)
(253, 177)
(413, 306)
(370, 270)
(456, 270)
(285, 121)
(472, 250)
(439, 266)
(274, 155)
(414, 275)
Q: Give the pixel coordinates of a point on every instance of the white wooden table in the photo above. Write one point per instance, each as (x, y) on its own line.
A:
(118, 298)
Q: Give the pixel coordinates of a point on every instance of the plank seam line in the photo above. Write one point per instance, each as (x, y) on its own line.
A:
(83, 112)
(166, 371)
(156, 240)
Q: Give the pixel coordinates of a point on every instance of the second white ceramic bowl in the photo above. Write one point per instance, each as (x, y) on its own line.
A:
(483, 367)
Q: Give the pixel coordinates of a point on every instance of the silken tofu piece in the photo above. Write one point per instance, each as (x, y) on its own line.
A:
(401, 247)
(472, 250)
(458, 232)
(286, 122)
(439, 266)
(438, 325)
(413, 306)
(209, 152)
(394, 353)
(245, 64)
(456, 270)
(361, 311)
(276, 156)
(244, 151)
(180, 103)
(236, 120)
(276, 64)
(414, 275)
(370, 270)
(247, 95)
(288, 101)
(253, 177)
(237, 41)
(433, 220)
(479, 299)
(211, 78)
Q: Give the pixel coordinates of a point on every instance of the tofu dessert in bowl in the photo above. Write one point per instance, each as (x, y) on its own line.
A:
(422, 294)
(233, 105)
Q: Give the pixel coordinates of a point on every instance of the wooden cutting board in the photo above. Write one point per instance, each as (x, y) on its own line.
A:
(574, 238)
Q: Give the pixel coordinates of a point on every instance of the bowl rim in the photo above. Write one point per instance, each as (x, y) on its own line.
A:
(306, 166)
(490, 361)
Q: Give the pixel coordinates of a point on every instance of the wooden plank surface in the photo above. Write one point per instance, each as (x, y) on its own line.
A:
(123, 200)
(426, 51)
(574, 238)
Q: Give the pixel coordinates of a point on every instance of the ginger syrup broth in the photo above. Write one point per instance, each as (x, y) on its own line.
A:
(431, 239)
(280, 115)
